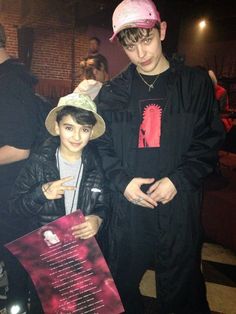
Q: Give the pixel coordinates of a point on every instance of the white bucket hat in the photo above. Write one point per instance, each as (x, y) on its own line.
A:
(78, 101)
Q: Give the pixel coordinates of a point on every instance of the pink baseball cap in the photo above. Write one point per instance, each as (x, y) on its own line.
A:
(134, 13)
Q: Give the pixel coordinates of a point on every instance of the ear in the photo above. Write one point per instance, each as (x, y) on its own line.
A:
(57, 130)
(163, 27)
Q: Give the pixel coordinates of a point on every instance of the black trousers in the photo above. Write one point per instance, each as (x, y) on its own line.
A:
(138, 252)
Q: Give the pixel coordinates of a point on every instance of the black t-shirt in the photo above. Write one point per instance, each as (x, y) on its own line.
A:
(149, 105)
(18, 122)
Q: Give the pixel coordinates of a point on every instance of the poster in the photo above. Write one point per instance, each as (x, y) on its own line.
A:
(70, 275)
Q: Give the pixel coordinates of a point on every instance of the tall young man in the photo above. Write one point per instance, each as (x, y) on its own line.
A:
(161, 141)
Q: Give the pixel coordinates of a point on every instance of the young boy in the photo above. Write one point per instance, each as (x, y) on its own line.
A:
(65, 174)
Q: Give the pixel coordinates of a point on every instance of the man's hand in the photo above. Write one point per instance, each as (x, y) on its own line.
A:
(87, 229)
(162, 191)
(55, 189)
(135, 195)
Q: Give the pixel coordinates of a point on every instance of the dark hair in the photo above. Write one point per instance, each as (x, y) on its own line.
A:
(81, 116)
(89, 64)
(2, 37)
(132, 35)
(96, 39)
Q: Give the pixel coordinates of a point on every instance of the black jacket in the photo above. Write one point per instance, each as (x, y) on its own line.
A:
(18, 128)
(191, 135)
(28, 200)
(18, 118)
(190, 119)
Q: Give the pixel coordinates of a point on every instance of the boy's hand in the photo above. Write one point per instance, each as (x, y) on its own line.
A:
(55, 189)
(87, 229)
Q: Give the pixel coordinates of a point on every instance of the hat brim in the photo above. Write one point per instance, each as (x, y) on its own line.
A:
(137, 24)
(98, 129)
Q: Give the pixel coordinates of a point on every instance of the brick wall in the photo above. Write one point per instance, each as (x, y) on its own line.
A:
(57, 47)
(55, 56)
(9, 17)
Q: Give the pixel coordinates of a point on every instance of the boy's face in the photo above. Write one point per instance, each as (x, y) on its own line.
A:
(74, 137)
(146, 53)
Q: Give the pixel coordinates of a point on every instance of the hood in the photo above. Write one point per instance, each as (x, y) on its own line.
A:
(89, 87)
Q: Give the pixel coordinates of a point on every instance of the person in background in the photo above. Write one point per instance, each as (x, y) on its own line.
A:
(162, 138)
(18, 132)
(93, 73)
(222, 100)
(94, 46)
(64, 174)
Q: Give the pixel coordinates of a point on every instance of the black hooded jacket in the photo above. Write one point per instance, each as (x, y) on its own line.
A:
(191, 130)
(191, 135)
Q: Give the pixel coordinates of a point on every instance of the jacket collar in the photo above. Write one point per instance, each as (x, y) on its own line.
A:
(49, 147)
(115, 94)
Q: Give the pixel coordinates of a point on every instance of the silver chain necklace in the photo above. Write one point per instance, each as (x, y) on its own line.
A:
(150, 86)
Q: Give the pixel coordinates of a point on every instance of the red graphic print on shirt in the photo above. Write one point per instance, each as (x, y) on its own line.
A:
(150, 128)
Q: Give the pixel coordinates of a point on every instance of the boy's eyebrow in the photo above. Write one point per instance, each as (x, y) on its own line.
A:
(69, 124)
(83, 125)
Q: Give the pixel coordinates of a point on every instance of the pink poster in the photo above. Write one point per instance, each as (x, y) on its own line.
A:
(70, 275)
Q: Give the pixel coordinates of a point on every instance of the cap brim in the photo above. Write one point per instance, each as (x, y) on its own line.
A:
(138, 24)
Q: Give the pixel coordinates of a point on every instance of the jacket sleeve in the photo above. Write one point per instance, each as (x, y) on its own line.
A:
(116, 172)
(207, 138)
(112, 165)
(95, 199)
(27, 197)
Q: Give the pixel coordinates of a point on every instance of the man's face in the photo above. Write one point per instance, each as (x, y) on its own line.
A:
(146, 53)
(93, 46)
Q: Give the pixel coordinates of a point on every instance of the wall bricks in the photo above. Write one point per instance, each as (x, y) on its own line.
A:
(53, 44)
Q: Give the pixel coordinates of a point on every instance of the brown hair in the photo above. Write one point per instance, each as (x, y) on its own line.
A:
(88, 65)
(132, 35)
